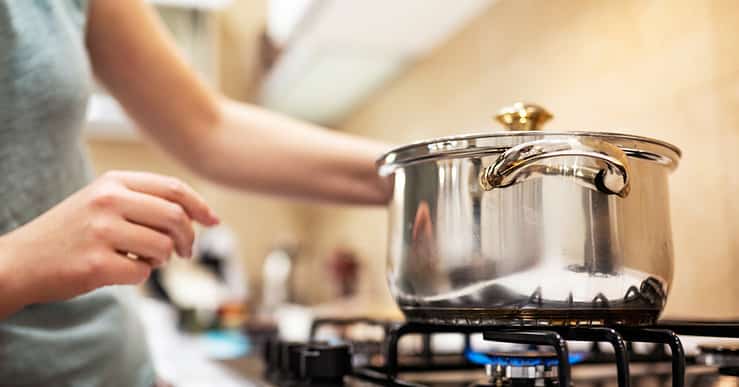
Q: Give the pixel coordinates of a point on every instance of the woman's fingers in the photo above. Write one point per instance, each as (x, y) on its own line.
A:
(170, 189)
(151, 246)
(162, 215)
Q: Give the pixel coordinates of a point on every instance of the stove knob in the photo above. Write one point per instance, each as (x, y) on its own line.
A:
(274, 363)
(267, 355)
(325, 362)
(290, 359)
(272, 355)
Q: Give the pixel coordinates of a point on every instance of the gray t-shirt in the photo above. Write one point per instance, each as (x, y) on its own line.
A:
(45, 82)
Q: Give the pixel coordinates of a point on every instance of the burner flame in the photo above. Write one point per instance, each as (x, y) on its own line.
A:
(482, 358)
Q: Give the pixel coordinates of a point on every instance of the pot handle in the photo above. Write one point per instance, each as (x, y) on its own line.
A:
(604, 167)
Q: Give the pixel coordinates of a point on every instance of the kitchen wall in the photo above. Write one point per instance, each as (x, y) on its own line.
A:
(667, 69)
(241, 27)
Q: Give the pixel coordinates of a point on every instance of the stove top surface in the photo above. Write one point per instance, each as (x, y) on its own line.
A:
(507, 356)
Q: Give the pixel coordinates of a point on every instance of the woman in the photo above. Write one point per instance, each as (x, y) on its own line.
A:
(64, 237)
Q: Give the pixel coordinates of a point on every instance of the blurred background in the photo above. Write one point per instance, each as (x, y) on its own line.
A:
(415, 69)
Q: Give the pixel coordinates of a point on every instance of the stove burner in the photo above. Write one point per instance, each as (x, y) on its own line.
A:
(514, 376)
(532, 372)
(518, 359)
(517, 368)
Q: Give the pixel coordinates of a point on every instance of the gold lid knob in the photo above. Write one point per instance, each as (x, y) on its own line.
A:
(523, 116)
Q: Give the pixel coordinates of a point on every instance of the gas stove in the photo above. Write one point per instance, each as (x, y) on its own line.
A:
(531, 356)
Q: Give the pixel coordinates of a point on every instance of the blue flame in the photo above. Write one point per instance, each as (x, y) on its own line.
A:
(484, 359)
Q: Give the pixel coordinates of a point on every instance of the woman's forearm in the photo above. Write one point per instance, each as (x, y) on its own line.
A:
(258, 150)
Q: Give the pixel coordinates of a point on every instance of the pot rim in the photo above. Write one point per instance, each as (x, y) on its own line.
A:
(445, 147)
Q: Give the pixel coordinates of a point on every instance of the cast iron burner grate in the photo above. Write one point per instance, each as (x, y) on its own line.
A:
(556, 337)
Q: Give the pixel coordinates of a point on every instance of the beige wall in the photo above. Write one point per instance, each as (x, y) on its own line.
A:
(241, 27)
(667, 69)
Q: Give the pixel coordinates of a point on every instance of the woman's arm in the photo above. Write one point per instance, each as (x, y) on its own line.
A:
(230, 142)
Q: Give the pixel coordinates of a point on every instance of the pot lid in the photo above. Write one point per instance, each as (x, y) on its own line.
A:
(522, 120)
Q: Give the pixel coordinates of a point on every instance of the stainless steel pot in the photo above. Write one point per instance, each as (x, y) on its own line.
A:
(531, 227)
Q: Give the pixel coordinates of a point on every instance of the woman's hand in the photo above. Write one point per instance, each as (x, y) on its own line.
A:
(114, 231)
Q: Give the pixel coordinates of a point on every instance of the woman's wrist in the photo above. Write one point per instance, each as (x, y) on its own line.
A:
(14, 294)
